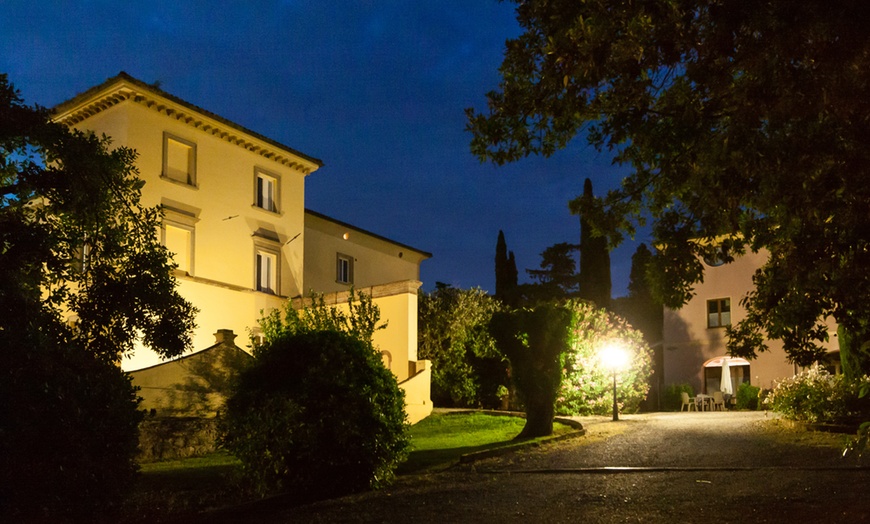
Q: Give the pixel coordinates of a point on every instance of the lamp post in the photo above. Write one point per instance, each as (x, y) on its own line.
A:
(614, 357)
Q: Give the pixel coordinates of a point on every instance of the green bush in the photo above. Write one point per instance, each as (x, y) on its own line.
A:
(68, 435)
(317, 414)
(817, 396)
(747, 396)
(672, 398)
(586, 387)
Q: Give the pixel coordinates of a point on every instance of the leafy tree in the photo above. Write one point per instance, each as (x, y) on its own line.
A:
(587, 387)
(82, 278)
(505, 272)
(317, 415)
(534, 340)
(594, 279)
(313, 315)
(745, 127)
(557, 277)
(453, 333)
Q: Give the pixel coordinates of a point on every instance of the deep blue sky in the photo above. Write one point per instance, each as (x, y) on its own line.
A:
(376, 89)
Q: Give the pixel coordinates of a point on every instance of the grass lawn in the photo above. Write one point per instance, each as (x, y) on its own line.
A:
(173, 488)
(439, 440)
(177, 487)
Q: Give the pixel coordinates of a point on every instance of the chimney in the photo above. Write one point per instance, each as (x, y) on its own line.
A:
(225, 336)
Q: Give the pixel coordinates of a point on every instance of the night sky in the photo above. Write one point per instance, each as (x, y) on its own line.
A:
(375, 89)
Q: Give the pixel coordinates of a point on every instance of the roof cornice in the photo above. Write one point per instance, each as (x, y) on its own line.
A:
(124, 87)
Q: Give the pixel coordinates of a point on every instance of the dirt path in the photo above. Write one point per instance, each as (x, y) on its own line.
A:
(704, 467)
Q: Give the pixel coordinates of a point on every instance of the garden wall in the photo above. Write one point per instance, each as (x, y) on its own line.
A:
(170, 438)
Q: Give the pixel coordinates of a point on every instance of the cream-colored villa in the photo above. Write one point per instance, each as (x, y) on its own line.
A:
(694, 336)
(235, 219)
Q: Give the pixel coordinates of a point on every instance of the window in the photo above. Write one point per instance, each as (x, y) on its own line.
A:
(267, 262)
(81, 257)
(267, 272)
(716, 258)
(344, 269)
(179, 160)
(177, 233)
(718, 312)
(266, 191)
(179, 241)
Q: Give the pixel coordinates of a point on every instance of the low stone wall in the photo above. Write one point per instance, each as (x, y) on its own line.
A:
(169, 438)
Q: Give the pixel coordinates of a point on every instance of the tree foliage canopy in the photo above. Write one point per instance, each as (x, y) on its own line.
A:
(746, 126)
(82, 278)
(557, 276)
(76, 241)
(467, 370)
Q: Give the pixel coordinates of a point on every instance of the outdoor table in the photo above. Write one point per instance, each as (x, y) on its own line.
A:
(704, 402)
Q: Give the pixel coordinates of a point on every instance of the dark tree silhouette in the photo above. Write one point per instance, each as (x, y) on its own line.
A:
(557, 277)
(505, 272)
(82, 276)
(595, 282)
(745, 127)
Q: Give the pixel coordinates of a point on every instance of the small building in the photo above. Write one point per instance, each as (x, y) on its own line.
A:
(235, 220)
(195, 385)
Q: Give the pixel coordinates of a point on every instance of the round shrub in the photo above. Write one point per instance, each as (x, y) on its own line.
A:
(317, 415)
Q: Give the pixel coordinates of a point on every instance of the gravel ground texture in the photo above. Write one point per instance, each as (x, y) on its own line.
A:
(703, 467)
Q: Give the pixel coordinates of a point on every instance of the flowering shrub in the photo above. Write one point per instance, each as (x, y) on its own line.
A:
(817, 396)
(587, 387)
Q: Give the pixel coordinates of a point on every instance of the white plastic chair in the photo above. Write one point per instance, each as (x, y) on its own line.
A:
(718, 401)
(688, 402)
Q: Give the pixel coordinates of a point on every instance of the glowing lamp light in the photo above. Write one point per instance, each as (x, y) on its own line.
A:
(614, 357)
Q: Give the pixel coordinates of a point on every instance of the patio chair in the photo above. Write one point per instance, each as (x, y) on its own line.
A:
(688, 402)
(718, 401)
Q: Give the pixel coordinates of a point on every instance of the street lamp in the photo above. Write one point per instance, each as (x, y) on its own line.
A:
(614, 357)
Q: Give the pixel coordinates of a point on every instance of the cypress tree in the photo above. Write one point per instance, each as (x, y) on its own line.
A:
(595, 284)
(505, 271)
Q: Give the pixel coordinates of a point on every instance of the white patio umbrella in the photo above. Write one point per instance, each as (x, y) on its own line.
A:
(725, 385)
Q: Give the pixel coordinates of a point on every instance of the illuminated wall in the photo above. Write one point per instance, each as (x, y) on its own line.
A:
(689, 341)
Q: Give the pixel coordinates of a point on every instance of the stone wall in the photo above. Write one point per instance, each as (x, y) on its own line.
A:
(170, 438)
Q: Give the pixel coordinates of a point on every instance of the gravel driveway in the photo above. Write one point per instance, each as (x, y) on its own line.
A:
(676, 467)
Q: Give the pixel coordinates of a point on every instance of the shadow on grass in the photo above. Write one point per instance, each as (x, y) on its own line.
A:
(431, 460)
